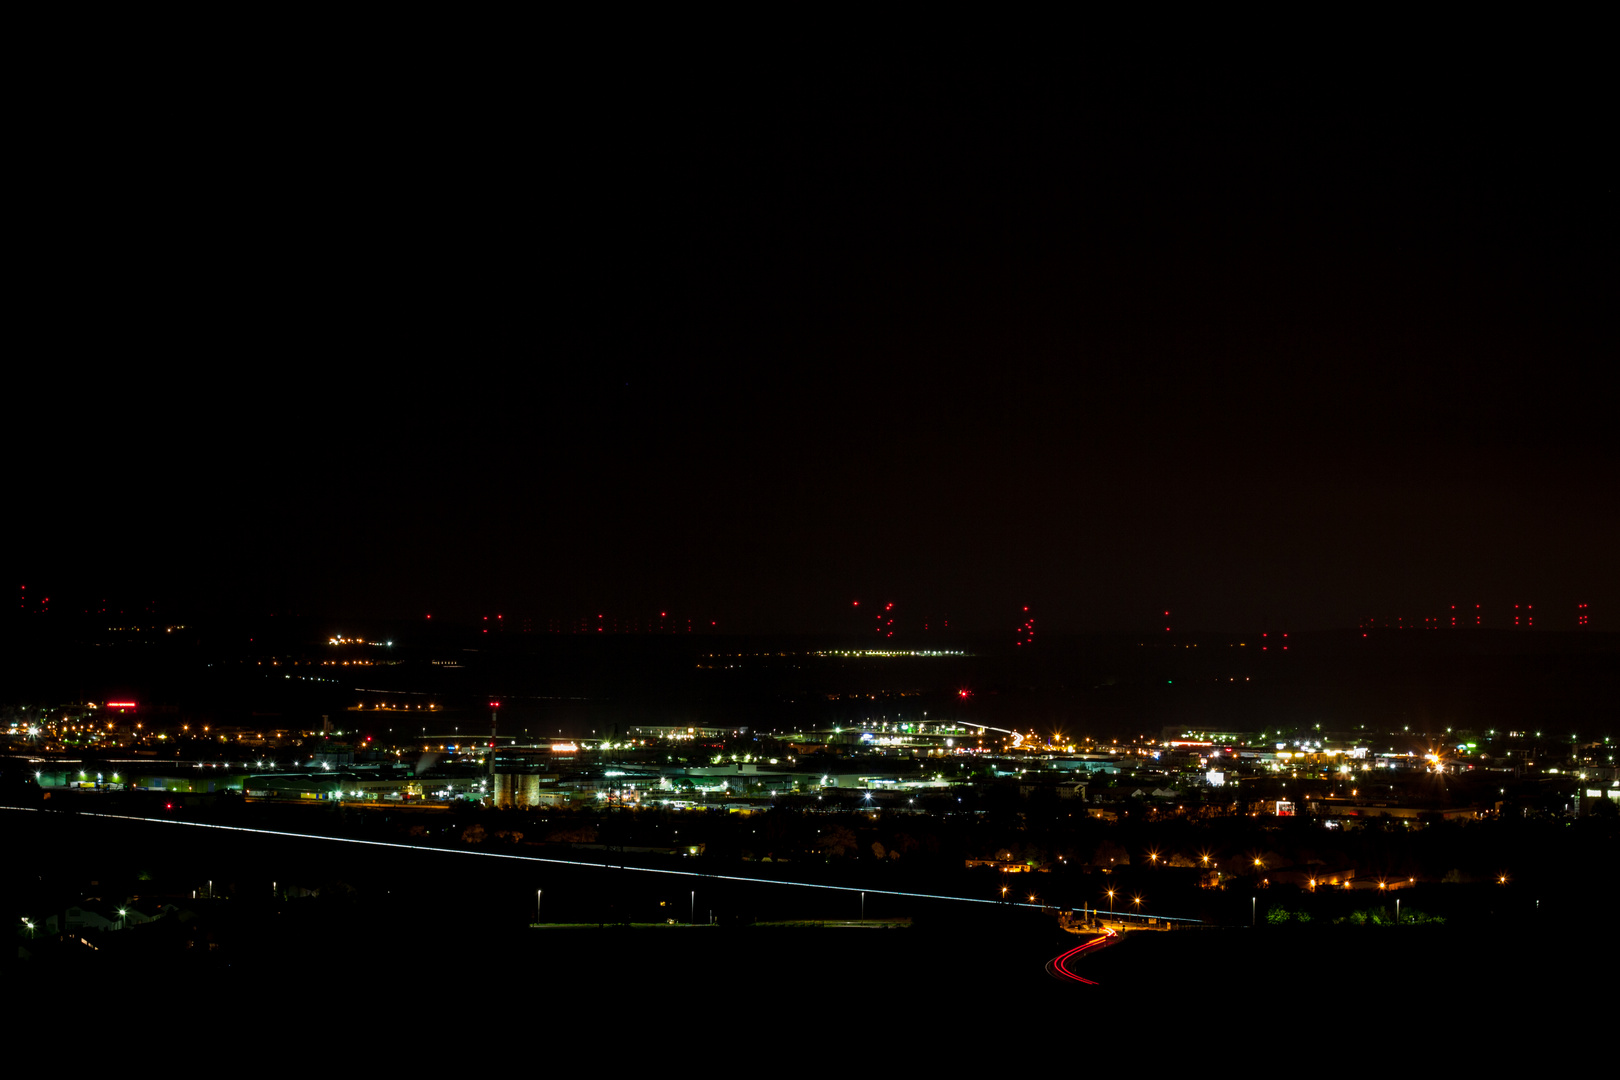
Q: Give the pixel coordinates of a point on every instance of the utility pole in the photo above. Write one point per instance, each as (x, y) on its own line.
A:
(494, 707)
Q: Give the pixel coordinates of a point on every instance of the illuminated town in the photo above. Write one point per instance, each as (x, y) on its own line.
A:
(901, 800)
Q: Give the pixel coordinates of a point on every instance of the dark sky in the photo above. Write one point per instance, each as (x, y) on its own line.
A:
(749, 346)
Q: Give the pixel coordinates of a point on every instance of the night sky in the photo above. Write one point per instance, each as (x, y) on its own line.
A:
(749, 347)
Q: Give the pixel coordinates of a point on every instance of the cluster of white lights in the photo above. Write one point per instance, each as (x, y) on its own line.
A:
(890, 652)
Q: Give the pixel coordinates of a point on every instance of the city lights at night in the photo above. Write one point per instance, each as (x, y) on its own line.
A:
(1115, 541)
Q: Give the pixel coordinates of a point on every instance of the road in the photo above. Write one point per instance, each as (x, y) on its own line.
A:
(1057, 967)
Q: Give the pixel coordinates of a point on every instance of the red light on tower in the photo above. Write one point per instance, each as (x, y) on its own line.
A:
(1581, 617)
(1026, 632)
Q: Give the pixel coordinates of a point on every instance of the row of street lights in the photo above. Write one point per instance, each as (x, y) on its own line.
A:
(1136, 900)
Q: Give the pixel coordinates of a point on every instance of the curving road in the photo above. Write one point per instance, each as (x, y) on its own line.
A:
(1057, 966)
